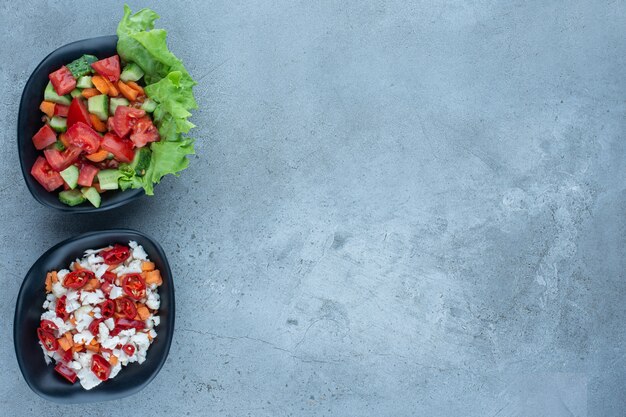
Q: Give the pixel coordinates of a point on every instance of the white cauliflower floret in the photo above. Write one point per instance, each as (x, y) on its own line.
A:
(58, 289)
(110, 323)
(111, 342)
(72, 305)
(94, 259)
(103, 332)
(139, 253)
(116, 292)
(92, 297)
(88, 379)
(153, 301)
(101, 270)
(72, 295)
(62, 274)
(84, 337)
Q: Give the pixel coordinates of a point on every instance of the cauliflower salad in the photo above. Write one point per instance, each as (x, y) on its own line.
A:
(100, 314)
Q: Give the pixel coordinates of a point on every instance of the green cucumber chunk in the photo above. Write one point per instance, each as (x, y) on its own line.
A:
(84, 82)
(77, 92)
(132, 72)
(91, 194)
(115, 102)
(70, 176)
(141, 161)
(82, 66)
(107, 178)
(99, 105)
(50, 95)
(59, 146)
(58, 124)
(71, 197)
(149, 105)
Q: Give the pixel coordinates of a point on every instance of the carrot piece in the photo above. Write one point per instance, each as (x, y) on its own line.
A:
(147, 266)
(98, 124)
(55, 278)
(113, 90)
(69, 338)
(47, 107)
(154, 277)
(73, 321)
(90, 92)
(136, 86)
(99, 156)
(77, 266)
(48, 282)
(112, 267)
(128, 92)
(93, 342)
(143, 312)
(100, 83)
(64, 141)
(77, 348)
(94, 348)
(92, 284)
(113, 360)
(65, 345)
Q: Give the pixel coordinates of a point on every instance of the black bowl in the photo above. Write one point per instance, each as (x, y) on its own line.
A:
(29, 122)
(42, 378)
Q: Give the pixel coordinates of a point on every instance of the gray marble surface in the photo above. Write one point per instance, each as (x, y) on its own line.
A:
(396, 208)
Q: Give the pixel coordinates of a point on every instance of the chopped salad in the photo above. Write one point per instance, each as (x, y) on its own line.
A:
(116, 122)
(100, 314)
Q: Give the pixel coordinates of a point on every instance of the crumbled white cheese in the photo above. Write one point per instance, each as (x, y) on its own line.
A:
(92, 297)
(58, 289)
(110, 323)
(116, 292)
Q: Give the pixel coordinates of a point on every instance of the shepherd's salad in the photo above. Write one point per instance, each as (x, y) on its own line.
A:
(100, 314)
(116, 122)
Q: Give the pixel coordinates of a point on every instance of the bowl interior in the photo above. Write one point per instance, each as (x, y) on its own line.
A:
(41, 377)
(29, 122)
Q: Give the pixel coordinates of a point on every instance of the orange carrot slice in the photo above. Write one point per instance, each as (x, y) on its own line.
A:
(136, 86)
(99, 156)
(98, 124)
(147, 266)
(100, 83)
(47, 107)
(113, 90)
(128, 92)
(153, 277)
(90, 92)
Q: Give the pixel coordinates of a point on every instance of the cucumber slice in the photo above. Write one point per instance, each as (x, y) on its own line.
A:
(141, 161)
(58, 124)
(149, 105)
(82, 66)
(77, 92)
(115, 102)
(107, 178)
(132, 72)
(70, 176)
(50, 95)
(58, 145)
(91, 194)
(84, 82)
(71, 197)
(99, 105)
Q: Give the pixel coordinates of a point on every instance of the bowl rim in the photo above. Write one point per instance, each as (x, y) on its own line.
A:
(170, 328)
(131, 194)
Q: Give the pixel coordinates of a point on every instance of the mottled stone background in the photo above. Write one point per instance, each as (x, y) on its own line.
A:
(397, 208)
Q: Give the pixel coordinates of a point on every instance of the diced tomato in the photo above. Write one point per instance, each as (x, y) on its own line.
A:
(109, 68)
(87, 174)
(78, 113)
(61, 160)
(44, 137)
(45, 175)
(144, 132)
(61, 110)
(110, 124)
(125, 118)
(122, 149)
(84, 137)
(62, 80)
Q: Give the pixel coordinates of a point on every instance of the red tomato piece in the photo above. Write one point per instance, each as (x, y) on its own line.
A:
(66, 372)
(66, 355)
(125, 118)
(84, 137)
(115, 255)
(61, 110)
(100, 367)
(48, 326)
(62, 80)
(121, 148)
(144, 132)
(134, 286)
(126, 307)
(60, 160)
(108, 68)
(129, 349)
(47, 339)
(45, 175)
(107, 308)
(87, 174)
(77, 112)
(44, 137)
(78, 279)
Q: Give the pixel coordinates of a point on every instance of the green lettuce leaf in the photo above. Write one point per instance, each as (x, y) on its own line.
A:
(167, 83)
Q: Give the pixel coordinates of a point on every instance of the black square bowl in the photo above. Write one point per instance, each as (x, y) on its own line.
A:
(42, 378)
(29, 122)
